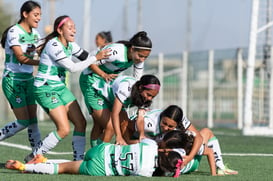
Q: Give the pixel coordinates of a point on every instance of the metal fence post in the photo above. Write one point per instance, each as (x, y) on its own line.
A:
(184, 82)
(240, 88)
(161, 78)
(210, 88)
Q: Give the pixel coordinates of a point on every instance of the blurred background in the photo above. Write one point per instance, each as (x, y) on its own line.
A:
(200, 52)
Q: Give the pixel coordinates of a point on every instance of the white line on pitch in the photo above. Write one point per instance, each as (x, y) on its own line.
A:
(23, 147)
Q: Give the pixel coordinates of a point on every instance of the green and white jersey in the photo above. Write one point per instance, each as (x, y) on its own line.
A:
(152, 122)
(121, 88)
(136, 159)
(17, 36)
(117, 61)
(50, 70)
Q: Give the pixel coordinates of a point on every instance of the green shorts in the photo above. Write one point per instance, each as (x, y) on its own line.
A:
(92, 99)
(18, 92)
(192, 165)
(51, 97)
(93, 163)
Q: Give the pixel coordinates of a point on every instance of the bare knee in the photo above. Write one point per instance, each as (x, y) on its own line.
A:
(63, 132)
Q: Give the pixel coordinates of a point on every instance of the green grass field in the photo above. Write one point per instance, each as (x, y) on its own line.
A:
(251, 156)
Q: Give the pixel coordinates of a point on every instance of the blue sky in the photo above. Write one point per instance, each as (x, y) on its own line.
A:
(215, 24)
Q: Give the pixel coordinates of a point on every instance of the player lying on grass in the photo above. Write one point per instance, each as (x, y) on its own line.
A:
(157, 122)
(171, 140)
(107, 159)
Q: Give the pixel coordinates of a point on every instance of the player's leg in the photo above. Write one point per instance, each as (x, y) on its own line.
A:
(78, 141)
(45, 168)
(100, 119)
(12, 128)
(60, 119)
(34, 135)
(210, 139)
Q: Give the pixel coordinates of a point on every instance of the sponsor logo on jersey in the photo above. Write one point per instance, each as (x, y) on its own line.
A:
(58, 53)
(11, 39)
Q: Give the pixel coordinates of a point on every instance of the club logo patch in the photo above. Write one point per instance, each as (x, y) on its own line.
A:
(54, 100)
(100, 102)
(18, 100)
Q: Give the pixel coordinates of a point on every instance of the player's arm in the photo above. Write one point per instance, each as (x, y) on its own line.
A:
(140, 123)
(107, 77)
(117, 106)
(21, 57)
(209, 153)
(198, 140)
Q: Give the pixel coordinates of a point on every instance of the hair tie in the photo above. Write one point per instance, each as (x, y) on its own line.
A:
(178, 167)
(62, 22)
(152, 86)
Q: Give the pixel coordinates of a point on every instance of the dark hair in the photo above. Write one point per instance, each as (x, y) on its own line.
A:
(175, 113)
(140, 39)
(28, 6)
(167, 163)
(178, 139)
(55, 32)
(106, 35)
(139, 87)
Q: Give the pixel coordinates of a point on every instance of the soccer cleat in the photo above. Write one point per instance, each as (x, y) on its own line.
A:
(15, 165)
(226, 171)
(37, 159)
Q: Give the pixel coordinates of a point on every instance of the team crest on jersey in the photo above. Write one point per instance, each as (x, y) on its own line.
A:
(54, 100)
(18, 99)
(100, 102)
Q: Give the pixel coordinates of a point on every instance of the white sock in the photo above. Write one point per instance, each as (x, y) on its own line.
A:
(78, 144)
(214, 144)
(50, 141)
(42, 168)
(34, 135)
(10, 129)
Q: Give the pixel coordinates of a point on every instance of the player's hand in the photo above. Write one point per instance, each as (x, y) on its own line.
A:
(120, 141)
(141, 137)
(109, 77)
(185, 161)
(104, 54)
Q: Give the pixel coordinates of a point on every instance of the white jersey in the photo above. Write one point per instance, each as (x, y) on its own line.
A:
(119, 88)
(136, 159)
(17, 36)
(118, 61)
(152, 122)
(49, 69)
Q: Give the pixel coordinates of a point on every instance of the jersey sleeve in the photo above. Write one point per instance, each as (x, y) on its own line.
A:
(186, 122)
(55, 51)
(115, 54)
(12, 37)
(57, 54)
(124, 91)
(138, 70)
(78, 52)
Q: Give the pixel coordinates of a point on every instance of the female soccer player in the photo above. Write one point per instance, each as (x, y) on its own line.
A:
(177, 139)
(107, 159)
(103, 38)
(114, 100)
(158, 122)
(123, 55)
(20, 42)
(50, 89)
